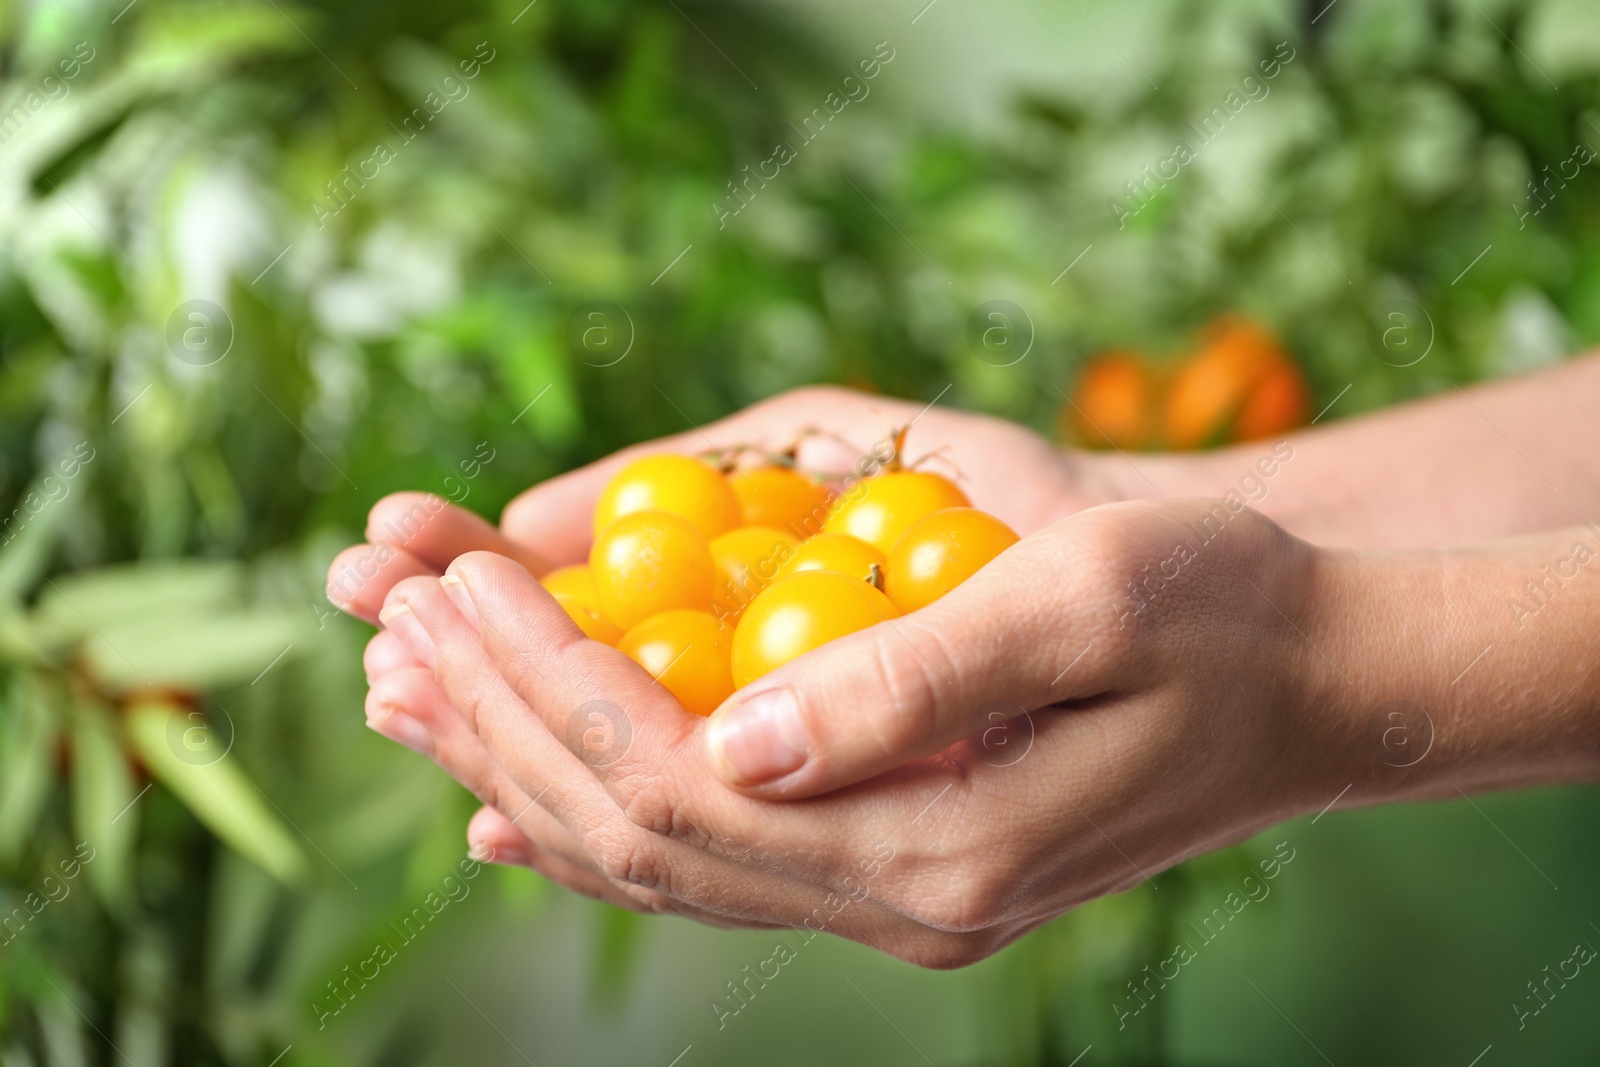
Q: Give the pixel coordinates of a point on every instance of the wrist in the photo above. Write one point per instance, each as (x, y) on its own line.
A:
(1269, 475)
(1113, 477)
(1434, 686)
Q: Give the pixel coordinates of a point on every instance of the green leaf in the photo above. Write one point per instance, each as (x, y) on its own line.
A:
(73, 606)
(218, 793)
(30, 537)
(18, 638)
(27, 743)
(102, 792)
(66, 1037)
(390, 813)
(171, 625)
(240, 927)
(194, 652)
(171, 42)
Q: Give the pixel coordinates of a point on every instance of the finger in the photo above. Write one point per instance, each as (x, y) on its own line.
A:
(493, 838)
(408, 707)
(908, 688)
(600, 708)
(567, 681)
(362, 575)
(865, 864)
(496, 840)
(436, 532)
(463, 755)
(385, 653)
(648, 840)
(537, 831)
(555, 515)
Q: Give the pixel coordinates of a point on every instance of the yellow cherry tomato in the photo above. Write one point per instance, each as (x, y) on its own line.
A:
(747, 559)
(573, 588)
(879, 509)
(648, 562)
(573, 580)
(682, 485)
(835, 552)
(796, 614)
(782, 498)
(687, 652)
(939, 552)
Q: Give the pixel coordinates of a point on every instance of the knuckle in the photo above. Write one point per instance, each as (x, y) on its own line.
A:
(1111, 554)
(651, 807)
(632, 859)
(518, 671)
(911, 693)
(492, 793)
(469, 697)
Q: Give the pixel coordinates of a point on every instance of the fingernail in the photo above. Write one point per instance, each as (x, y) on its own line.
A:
(759, 739)
(398, 620)
(402, 729)
(456, 590)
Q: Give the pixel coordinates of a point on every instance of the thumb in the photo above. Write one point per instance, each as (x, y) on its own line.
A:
(900, 691)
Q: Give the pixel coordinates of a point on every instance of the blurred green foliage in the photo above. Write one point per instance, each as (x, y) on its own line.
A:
(161, 619)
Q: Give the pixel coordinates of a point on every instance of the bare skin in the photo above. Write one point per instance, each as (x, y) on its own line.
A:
(1191, 672)
(1466, 466)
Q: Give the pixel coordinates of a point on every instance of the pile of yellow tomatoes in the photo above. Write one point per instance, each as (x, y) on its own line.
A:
(710, 576)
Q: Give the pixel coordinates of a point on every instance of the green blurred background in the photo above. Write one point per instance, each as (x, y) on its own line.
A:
(250, 362)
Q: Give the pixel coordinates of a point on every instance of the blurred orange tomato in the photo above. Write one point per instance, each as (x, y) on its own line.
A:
(1114, 403)
(1241, 384)
(1279, 402)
